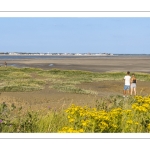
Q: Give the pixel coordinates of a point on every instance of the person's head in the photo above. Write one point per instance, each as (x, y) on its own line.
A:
(133, 75)
(128, 72)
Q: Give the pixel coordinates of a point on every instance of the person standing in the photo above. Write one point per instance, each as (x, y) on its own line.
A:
(127, 79)
(5, 63)
(133, 84)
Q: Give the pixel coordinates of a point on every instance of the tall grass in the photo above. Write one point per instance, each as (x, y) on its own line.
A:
(116, 115)
(14, 120)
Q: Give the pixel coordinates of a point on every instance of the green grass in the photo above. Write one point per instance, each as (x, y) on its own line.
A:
(72, 89)
(14, 120)
(31, 79)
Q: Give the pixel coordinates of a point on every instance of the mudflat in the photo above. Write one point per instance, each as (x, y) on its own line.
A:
(94, 64)
(53, 99)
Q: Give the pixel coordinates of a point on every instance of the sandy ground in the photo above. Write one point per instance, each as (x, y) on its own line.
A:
(52, 99)
(94, 64)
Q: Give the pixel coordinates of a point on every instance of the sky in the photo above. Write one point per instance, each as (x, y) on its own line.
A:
(116, 35)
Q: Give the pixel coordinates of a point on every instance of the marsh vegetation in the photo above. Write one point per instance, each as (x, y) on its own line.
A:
(13, 118)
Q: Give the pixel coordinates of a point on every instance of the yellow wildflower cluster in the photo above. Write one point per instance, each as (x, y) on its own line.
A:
(71, 130)
(85, 119)
(142, 104)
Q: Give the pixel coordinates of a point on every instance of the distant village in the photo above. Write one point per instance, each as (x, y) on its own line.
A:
(58, 54)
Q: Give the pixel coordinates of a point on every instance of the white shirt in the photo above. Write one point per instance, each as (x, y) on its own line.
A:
(127, 80)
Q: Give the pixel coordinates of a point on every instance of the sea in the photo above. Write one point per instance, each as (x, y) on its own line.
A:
(15, 57)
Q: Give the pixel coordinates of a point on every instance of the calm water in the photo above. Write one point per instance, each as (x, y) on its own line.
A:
(14, 57)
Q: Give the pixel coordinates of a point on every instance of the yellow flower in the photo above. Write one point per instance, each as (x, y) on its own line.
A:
(70, 130)
(140, 108)
(81, 130)
(71, 120)
(136, 123)
(81, 114)
(114, 126)
(84, 123)
(75, 109)
(94, 109)
(145, 105)
(148, 126)
(72, 113)
(134, 105)
(130, 122)
(128, 111)
(104, 124)
(69, 117)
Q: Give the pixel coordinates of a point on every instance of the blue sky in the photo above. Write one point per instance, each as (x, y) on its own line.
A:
(75, 35)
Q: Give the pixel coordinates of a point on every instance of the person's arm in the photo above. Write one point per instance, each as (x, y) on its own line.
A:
(130, 80)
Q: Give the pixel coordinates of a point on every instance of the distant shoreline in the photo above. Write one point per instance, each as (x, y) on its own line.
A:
(92, 55)
(70, 55)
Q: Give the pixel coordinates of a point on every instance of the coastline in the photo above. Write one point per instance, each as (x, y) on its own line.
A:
(94, 64)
